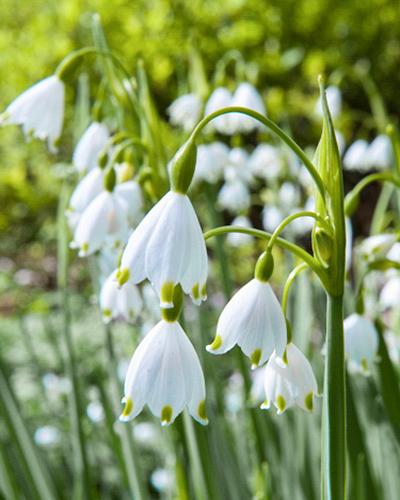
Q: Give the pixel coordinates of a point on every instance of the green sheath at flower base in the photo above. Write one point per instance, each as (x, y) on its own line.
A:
(182, 167)
(264, 267)
(171, 314)
(110, 179)
(322, 245)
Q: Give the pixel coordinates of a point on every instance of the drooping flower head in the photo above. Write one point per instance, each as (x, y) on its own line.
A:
(40, 111)
(361, 342)
(289, 381)
(90, 145)
(185, 111)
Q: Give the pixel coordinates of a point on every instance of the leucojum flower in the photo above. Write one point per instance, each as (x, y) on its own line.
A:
(168, 246)
(39, 110)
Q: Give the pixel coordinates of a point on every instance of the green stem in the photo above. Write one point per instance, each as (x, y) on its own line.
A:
(334, 405)
(369, 179)
(287, 245)
(292, 276)
(272, 126)
(290, 219)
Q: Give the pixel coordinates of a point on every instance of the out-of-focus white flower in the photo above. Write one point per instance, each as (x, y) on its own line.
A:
(349, 242)
(252, 319)
(162, 480)
(377, 246)
(393, 346)
(246, 96)
(146, 434)
(220, 98)
(239, 239)
(185, 111)
(211, 161)
(361, 342)
(265, 162)
(131, 193)
(40, 111)
(47, 436)
(380, 153)
(289, 382)
(168, 248)
(257, 391)
(355, 157)
(334, 98)
(236, 168)
(95, 411)
(55, 385)
(150, 300)
(89, 147)
(105, 219)
(390, 294)
(340, 141)
(165, 373)
(302, 225)
(233, 396)
(394, 252)
(272, 216)
(119, 302)
(289, 195)
(107, 261)
(84, 193)
(234, 196)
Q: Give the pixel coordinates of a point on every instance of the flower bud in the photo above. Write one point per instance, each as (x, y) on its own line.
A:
(182, 167)
(102, 159)
(264, 266)
(110, 179)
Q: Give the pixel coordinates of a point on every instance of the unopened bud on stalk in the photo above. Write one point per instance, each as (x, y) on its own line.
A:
(182, 167)
(264, 266)
(102, 159)
(110, 180)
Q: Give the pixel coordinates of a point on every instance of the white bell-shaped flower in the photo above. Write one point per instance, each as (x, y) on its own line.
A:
(131, 194)
(377, 246)
(389, 297)
(361, 342)
(119, 303)
(220, 98)
(165, 373)
(272, 216)
(239, 239)
(247, 96)
(265, 162)
(168, 248)
(90, 145)
(334, 98)
(289, 381)
(210, 162)
(355, 157)
(234, 196)
(103, 221)
(289, 195)
(40, 111)
(237, 168)
(380, 153)
(185, 111)
(84, 193)
(252, 319)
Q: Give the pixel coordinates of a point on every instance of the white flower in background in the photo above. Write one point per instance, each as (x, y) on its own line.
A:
(390, 294)
(247, 96)
(131, 193)
(103, 221)
(236, 168)
(162, 480)
(220, 98)
(165, 373)
(107, 261)
(239, 239)
(168, 248)
(377, 246)
(40, 111)
(185, 111)
(355, 157)
(252, 319)
(84, 193)
(146, 434)
(95, 411)
(380, 153)
(265, 162)
(234, 196)
(234, 395)
(47, 436)
(361, 342)
(289, 382)
(289, 195)
(90, 145)
(210, 162)
(394, 252)
(257, 391)
(334, 98)
(151, 301)
(272, 216)
(119, 302)
(393, 346)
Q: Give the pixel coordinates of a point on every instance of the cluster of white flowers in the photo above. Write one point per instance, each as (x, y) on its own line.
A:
(363, 157)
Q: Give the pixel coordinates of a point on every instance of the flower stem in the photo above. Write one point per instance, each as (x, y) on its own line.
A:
(334, 405)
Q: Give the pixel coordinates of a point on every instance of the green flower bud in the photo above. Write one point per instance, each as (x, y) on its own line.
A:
(182, 167)
(172, 314)
(110, 179)
(102, 159)
(322, 243)
(264, 266)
